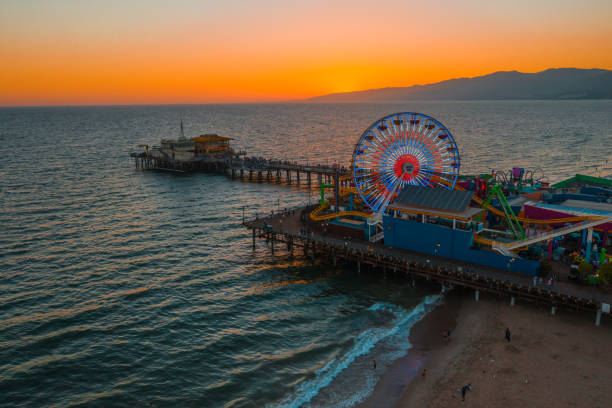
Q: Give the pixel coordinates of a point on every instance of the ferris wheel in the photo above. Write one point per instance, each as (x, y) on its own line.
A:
(403, 149)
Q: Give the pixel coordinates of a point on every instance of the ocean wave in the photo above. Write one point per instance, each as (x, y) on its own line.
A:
(364, 342)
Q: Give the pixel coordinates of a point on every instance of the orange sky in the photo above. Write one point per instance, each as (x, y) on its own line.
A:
(69, 52)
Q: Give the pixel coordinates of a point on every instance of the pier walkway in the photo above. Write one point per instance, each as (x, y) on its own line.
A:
(261, 169)
(248, 168)
(294, 229)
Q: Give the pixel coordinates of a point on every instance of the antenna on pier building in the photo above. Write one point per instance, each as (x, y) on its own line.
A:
(182, 135)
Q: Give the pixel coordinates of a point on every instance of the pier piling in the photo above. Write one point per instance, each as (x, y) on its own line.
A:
(598, 317)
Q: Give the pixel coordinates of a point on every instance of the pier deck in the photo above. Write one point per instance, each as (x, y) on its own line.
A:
(247, 168)
(294, 229)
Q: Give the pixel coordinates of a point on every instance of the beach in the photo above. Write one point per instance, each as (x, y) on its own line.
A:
(560, 360)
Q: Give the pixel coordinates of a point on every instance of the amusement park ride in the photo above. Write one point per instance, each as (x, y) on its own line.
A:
(413, 149)
(402, 149)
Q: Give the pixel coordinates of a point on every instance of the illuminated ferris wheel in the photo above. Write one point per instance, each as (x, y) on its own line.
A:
(401, 149)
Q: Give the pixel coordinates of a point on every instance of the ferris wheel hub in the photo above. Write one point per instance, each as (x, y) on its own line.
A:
(406, 167)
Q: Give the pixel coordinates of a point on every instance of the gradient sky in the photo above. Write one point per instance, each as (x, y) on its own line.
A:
(70, 52)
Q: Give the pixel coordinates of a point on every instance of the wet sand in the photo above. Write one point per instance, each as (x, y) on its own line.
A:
(561, 360)
(427, 340)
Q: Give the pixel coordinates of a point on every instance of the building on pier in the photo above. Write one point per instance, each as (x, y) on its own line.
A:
(212, 145)
(194, 149)
(442, 223)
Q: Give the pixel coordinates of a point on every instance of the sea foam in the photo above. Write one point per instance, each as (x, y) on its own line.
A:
(364, 342)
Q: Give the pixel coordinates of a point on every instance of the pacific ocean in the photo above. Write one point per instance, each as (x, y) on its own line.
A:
(121, 287)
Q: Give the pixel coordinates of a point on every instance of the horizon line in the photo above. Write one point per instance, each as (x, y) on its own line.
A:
(298, 102)
(309, 99)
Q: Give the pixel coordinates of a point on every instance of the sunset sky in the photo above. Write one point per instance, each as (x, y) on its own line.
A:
(71, 52)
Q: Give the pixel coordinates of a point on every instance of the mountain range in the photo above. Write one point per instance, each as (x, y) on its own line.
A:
(557, 83)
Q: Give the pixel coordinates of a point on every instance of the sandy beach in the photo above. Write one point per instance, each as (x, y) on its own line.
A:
(561, 360)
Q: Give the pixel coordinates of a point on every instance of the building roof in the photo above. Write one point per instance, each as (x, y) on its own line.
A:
(434, 198)
(581, 180)
(466, 215)
(605, 208)
(210, 138)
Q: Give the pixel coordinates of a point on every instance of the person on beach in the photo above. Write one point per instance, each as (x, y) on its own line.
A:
(424, 373)
(507, 334)
(465, 389)
(374, 366)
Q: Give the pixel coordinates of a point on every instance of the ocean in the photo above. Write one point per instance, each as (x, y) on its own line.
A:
(121, 287)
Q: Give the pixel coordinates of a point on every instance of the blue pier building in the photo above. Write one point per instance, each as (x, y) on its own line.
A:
(443, 223)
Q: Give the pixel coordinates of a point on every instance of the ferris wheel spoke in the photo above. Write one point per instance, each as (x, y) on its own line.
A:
(388, 194)
(388, 179)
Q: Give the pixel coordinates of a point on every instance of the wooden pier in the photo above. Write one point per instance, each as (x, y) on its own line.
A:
(294, 229)
(250, 169)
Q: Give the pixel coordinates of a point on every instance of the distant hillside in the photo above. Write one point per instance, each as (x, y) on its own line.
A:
(562, 83)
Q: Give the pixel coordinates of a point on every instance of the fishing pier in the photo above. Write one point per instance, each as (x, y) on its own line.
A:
(248, 169)
(271, 170)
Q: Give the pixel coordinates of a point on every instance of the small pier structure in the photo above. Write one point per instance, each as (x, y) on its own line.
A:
(294, 229)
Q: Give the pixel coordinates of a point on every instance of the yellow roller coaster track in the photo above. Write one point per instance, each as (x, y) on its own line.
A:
(314, 215)
(489, 242)
(538, 221)
(525, 221)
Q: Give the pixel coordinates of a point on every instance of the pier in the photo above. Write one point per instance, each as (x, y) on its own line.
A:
(403, 188)
(294, 229)
(249, 169)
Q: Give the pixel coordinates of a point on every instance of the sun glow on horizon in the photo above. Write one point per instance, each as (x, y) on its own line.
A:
(108, 52)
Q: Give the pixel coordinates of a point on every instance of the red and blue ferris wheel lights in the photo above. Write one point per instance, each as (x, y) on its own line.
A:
(400, 149)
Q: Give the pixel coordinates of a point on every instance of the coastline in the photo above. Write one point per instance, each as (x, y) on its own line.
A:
(403, 377)
(446, 359)
(560, 360)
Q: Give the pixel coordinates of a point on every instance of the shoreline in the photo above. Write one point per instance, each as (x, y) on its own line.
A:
(445, 359)
(560, 360)
(427, 341)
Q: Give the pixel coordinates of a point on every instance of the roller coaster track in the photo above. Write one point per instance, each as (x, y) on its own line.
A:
(314, 215)
(533, 220)
(537, 221)
(506, 247)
